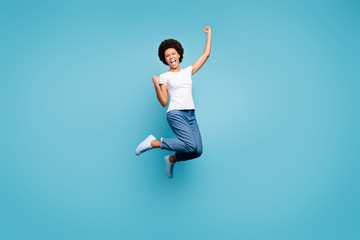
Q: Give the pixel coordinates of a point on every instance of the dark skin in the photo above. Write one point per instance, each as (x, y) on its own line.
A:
(172, 59)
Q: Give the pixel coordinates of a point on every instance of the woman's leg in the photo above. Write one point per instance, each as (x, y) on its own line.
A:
(196, 138)
(188, 145)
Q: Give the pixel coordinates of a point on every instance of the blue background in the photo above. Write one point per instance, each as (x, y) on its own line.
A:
(277, 103)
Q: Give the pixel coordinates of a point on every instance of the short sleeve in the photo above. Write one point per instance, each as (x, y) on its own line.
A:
(189, 69)
(163, 79)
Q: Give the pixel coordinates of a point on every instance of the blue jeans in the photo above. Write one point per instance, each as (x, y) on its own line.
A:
(188, 145)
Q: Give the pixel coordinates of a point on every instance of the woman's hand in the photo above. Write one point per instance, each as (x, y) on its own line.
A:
(202, 59)
(156, 80)
(161, 92)
(207, 30)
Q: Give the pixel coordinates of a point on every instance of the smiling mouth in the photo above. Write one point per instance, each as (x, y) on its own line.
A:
(173, 62)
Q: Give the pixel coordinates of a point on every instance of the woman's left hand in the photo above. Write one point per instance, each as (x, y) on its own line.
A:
(207, 29)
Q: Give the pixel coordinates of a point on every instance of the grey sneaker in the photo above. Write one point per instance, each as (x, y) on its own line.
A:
(169, 166)
(145, 145)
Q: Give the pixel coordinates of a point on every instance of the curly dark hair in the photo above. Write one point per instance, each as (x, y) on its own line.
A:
(170, 43)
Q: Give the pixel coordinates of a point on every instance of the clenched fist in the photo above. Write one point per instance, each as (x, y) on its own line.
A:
(207, 29)
(156, 80)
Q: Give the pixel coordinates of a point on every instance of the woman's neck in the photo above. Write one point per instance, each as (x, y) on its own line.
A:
(175, 69)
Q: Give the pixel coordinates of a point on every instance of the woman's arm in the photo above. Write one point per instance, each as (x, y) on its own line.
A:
(202, 59)
(161, 93)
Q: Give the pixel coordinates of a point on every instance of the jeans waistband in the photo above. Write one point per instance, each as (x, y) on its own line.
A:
(184, 110)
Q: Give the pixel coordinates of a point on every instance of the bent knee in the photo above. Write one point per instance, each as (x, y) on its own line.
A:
(198, 152)
(191, 147)
(194, 149)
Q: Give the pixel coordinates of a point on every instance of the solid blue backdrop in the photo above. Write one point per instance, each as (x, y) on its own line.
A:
(277, 103)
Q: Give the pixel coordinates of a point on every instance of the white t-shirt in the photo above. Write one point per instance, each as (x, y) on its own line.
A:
(179, 85)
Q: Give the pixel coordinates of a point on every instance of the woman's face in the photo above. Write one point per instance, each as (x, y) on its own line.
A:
(172, 57)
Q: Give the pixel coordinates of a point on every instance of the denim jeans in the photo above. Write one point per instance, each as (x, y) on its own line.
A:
(188, 145)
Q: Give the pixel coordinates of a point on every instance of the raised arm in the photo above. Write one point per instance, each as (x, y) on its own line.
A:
(161, 93)
(202, 59)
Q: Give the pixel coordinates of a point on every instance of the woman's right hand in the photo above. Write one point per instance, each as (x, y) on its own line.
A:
(156, 80)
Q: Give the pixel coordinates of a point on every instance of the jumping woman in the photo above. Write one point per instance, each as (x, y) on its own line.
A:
(181, 111)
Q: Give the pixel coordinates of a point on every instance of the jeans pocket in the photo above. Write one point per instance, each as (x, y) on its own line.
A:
(169, 115)
(174, 116)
